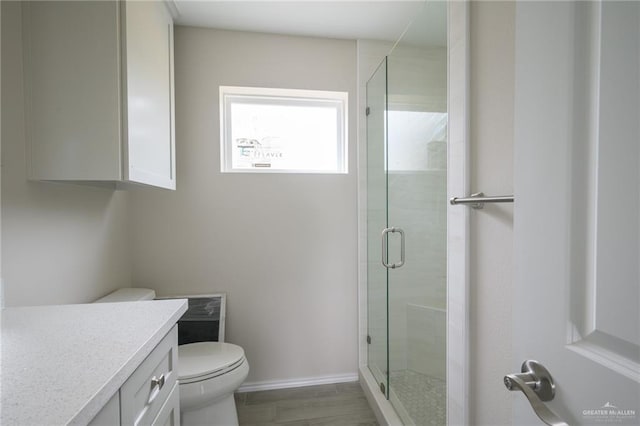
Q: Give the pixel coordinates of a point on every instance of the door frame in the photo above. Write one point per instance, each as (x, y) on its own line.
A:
(458, 217)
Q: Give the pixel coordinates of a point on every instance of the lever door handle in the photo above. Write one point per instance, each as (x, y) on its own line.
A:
(536, 383)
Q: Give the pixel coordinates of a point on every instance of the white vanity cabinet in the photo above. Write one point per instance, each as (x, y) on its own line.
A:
(96, 363)
(150, 396)
(100, 91)
(149, 387)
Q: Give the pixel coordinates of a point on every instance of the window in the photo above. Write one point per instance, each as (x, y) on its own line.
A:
(283, 130)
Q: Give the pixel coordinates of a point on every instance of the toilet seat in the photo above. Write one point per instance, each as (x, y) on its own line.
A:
(205, 360)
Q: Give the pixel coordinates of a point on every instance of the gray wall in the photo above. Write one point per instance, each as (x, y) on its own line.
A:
(282, 246)
(491, 112)
(60, 243)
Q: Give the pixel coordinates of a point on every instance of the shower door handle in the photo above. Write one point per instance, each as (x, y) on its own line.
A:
(385, 233)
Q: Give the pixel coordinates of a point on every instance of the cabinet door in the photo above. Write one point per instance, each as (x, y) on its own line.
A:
(169, 414)
(148, 66)
(72, 83)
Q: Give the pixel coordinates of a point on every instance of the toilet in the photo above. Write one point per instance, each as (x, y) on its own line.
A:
(208, 373)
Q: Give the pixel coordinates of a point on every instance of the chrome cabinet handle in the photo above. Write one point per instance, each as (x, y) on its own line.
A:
(536, 383)
(385, 232)
(159, 382)
(156, 382)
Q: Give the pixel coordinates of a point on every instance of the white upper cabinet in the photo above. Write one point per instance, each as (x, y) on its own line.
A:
(99, 90)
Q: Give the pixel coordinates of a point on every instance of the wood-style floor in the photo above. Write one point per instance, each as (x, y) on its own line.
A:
(341, 404)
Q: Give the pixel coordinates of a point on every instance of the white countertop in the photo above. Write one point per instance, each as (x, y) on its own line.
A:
(62, 364)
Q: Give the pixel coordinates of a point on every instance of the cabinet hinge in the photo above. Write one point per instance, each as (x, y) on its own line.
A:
(368, 339)
(367, 111)
(383, 388)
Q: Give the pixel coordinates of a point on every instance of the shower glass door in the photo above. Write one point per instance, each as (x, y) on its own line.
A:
(378, 349)
(407, 161)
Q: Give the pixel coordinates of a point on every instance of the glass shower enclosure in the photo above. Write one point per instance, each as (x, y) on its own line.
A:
(406, 221)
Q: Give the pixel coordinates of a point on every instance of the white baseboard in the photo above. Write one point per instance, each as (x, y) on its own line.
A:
(297, 383)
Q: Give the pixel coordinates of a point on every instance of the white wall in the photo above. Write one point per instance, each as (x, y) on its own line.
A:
(60, 243)
(282, 246)
(491, 272)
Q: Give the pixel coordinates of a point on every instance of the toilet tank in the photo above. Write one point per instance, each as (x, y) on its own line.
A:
(128, 295)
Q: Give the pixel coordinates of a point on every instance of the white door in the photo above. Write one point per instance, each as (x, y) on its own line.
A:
(577, 226)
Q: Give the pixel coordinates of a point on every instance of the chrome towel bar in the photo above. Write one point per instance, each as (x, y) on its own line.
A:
(478, 199)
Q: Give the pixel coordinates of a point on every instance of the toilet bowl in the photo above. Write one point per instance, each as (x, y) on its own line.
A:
(208, 373)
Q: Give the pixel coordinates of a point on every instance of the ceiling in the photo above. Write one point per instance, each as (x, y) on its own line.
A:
(359, 19)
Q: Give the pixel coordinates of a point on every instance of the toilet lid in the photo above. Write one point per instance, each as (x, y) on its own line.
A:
(204, 358)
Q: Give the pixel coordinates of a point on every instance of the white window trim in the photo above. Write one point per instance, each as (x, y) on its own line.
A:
(275, 94)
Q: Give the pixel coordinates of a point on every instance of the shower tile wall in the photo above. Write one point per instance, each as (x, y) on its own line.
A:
(426, 348)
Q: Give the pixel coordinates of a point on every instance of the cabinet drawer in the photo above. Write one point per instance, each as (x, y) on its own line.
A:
(169, 414)
(144, 393)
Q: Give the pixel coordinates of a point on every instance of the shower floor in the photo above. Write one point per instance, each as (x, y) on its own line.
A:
(422, 396)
